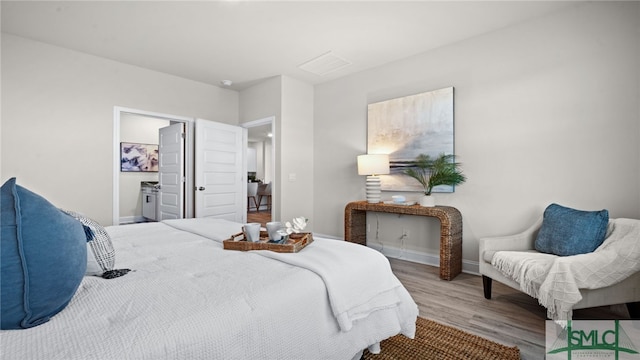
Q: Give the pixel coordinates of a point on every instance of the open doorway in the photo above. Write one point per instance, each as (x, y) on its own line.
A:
(191, 166)
(132, 125)
(260, 169)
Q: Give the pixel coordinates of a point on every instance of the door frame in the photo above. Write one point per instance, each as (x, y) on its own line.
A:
(274, 189)
(189, 163)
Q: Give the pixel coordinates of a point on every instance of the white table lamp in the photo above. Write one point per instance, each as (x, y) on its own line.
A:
(373, 165)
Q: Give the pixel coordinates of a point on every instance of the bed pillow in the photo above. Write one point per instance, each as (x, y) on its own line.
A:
(43, 258)
(100, 253)
(567, 231)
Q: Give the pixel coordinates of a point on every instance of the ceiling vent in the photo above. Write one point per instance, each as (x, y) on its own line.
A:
(325, 64)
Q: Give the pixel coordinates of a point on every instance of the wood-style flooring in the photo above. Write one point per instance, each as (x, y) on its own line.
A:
(262, 217)
(511, 317)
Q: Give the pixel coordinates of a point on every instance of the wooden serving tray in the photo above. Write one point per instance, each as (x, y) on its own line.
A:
(295, 243)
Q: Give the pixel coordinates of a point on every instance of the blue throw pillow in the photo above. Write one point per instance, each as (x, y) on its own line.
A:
(43, 258)
(567, 231)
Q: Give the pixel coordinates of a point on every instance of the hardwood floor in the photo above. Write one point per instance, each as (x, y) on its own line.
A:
(262, 217)
(511, 317)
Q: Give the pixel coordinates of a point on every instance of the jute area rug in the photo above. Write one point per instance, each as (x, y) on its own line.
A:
(441, 342)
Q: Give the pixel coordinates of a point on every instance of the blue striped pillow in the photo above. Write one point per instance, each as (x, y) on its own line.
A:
(101, 256)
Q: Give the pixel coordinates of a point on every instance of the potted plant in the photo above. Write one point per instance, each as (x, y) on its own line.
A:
(430, 173)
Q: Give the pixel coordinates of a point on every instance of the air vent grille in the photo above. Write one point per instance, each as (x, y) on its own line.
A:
(325, 63)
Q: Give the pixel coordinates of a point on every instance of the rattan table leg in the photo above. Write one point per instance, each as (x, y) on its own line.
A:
(355, 226)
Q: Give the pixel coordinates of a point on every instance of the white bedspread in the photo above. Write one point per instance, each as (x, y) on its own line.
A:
(556, 281)
(331, 260)
(187, 298)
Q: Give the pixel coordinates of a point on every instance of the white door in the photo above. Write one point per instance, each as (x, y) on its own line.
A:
(171, 172)
(221, 189)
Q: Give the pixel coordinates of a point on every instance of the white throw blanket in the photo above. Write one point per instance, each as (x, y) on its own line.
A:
(556, 281)
(214, 229)
(330, 260)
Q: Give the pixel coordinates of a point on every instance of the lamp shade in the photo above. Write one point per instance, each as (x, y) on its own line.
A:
(373, 164)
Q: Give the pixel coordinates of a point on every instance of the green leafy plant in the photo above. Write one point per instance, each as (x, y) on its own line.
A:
(442, 170)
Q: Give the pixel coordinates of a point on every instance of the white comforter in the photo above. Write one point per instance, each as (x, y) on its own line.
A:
(187, 298)
(350, 300)
(556, 281)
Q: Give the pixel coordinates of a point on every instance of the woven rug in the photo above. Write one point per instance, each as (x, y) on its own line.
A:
(441, 342)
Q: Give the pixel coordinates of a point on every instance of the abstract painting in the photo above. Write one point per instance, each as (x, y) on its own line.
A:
(406, 127)
(138, 157)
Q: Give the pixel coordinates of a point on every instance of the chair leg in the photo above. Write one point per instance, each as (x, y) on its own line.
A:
(634, 310)
(249, 198)
(267, 204)
(486, 285)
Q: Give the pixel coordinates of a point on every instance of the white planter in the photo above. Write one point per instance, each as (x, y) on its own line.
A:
(427, 201)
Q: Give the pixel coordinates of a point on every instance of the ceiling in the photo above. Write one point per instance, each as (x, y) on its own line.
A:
(249, 41)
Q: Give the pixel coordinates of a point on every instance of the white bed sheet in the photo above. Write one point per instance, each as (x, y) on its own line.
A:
(187, 298)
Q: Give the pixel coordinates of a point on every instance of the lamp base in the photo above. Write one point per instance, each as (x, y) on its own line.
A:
(373, 189)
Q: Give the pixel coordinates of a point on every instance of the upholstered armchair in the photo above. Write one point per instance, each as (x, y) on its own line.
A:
(549, 271)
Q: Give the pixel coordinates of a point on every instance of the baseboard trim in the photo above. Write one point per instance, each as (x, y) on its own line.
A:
(124, 220)
(468, 266)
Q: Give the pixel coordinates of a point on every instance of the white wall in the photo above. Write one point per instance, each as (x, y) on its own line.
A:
(291, 102)
(546, 111)
(267, 156)
(57, 118)
(261, 101)
(297, 156)
(259, 153)
(252, 157)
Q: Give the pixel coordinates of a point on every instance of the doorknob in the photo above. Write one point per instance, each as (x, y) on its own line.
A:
(201, 188)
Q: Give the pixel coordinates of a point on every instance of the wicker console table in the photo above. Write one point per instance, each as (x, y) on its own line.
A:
(355, 224)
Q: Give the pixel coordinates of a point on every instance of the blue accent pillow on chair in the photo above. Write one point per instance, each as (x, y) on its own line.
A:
(567, 231)
(43, 258)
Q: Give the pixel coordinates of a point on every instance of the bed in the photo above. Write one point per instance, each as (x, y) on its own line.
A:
(188, 298)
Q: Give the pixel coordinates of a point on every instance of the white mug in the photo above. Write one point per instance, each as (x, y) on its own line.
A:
(272, 229)
(252, 231)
